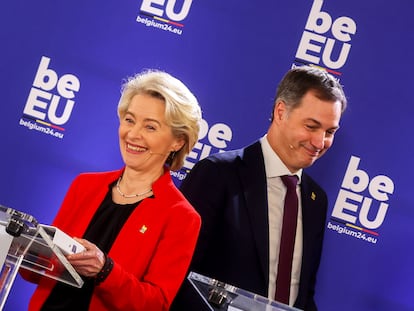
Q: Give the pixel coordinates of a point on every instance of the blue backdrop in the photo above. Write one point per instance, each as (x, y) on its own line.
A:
(62, 64)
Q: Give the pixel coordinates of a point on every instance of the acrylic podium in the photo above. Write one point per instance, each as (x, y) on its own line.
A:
(219, 296)
(24, 244)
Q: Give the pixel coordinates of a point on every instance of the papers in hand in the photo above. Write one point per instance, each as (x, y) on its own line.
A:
(65, 243)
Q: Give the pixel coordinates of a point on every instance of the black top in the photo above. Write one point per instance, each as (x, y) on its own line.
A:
(102, 231)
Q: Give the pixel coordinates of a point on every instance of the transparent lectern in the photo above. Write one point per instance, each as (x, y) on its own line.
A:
(219, 296)
(24, 244)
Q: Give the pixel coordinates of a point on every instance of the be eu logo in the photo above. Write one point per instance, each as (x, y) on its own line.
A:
(362, 203)
(50, 101)
(167, 15)
(169, 8)
(326, 41)
(212, 139)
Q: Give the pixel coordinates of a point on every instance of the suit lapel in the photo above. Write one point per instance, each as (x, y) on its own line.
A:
(253, 179)
(312, 200)
(313, 217)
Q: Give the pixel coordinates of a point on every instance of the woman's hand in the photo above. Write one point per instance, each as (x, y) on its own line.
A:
(89, 262)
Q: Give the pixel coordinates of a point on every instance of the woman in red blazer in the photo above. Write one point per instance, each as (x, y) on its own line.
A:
(138, 230)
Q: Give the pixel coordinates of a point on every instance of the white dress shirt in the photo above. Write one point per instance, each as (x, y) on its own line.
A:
(276, 192)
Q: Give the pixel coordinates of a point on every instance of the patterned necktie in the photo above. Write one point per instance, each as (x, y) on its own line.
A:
(287, 240)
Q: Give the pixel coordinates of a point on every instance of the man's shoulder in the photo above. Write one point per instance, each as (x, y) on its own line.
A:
(230, 156)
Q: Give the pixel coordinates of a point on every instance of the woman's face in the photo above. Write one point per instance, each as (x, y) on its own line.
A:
(145, 139)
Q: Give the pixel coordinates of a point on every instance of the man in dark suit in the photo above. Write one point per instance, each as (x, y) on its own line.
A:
(239, 195)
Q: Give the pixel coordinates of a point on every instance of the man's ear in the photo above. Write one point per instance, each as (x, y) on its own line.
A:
(280, 111)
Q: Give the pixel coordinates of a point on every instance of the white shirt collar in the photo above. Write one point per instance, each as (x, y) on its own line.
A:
(273, 164)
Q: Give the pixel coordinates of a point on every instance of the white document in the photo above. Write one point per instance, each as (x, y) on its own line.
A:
(5, 243)
(66, 244)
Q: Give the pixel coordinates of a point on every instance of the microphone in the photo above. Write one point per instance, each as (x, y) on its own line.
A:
(160, 154)
(150, 153)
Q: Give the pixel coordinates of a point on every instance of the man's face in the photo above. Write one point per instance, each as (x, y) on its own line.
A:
(306, 132)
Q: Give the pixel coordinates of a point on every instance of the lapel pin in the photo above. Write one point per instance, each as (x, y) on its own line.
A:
(313, 196)
(143, 229)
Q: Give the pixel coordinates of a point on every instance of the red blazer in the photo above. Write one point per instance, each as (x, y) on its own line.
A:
(151, 253)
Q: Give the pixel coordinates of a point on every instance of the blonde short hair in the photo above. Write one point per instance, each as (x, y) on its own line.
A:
(182, 111)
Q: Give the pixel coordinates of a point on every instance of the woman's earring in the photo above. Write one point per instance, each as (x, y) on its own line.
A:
(171, 157)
